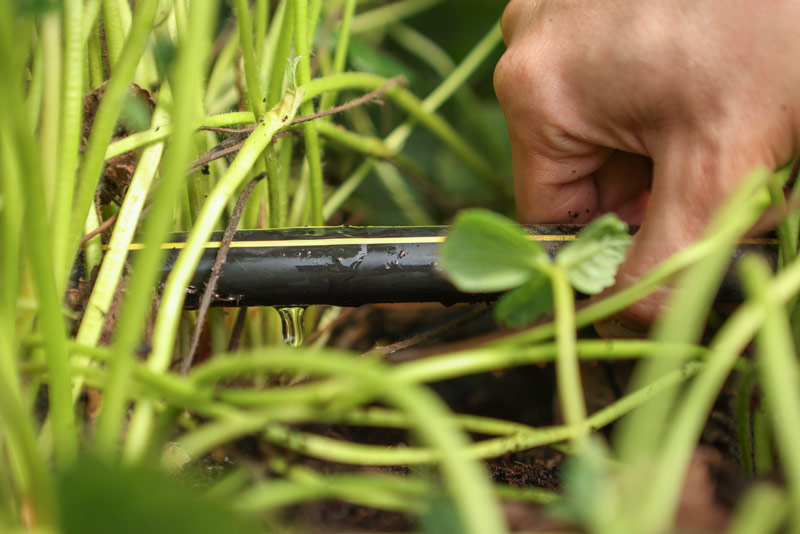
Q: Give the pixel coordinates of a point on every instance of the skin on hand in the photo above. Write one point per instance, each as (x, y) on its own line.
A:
(652, 109)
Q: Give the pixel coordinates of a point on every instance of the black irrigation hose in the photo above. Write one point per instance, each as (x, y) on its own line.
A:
(350, 266)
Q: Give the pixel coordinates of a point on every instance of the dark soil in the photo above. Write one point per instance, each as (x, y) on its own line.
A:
(526, 395)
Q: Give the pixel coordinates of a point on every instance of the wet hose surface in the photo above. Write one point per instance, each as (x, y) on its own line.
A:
(351, 266)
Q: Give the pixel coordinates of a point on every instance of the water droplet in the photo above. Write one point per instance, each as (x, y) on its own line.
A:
(294, 331)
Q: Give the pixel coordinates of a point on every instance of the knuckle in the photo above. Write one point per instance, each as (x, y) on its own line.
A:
(517, 75)
(503, 76)
(509, 19)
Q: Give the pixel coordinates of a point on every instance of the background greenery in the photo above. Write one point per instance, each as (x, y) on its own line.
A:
(102, 432)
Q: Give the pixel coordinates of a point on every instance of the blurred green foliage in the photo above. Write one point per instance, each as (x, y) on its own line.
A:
(97, 497)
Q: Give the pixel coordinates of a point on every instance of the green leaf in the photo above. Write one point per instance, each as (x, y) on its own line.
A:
(592, 260)
(521, 306)
(587, 476)
(291, 71)
(135, 114)
(99, 497)
(486, 252)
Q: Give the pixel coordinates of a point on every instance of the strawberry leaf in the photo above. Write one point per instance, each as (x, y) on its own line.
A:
(486, 252)
(592, 260)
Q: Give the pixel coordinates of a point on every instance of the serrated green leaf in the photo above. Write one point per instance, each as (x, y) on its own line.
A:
(522, 306)
(291, 71)
(592, 260)
(486, 252)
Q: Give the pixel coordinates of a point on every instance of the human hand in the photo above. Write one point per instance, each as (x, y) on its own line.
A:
(653, 109)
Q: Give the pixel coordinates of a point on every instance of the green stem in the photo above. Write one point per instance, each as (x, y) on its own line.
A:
(35, 84)
(383, 16)
(20, 443)
(188, 71)
(464, 478)
(92, 249)
(173, 296)
(252, 76)
(285, 150)
(90, 18)
(347, 188)
(181, 20)
(95, 60)
(316, 87)
(763, 444)
(568, 373)
(664, 484)
(276, 199)
(342, 44)
(71, 123)
(396, 139)
(17, 158)
(404, 494)
(368, 145)
(298, 214)
(669, 428)
(485, 359)
(762, 509)
(514, 436)
(183, 269)
(428, 370)
(313, 153)
(270, 46)
(222, 74)
(159, 133)
(284, 45)
(779, 377)
(11, 172)
(787, 240)
(744, 428)
(462, 73)
(245, 26)
(114, 31)
(466, 481)
(411, 104)
(108, 278)
(665, 480)
(429, 52)
(414, 212)
(523, 439)
(261, 15)
(103, 127)
(422, 47)
(23, 162)
(314, 10)
(50, 320)
(49, 138)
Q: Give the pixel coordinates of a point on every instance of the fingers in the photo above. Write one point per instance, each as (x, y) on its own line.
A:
(580, 186)
(552, 169)
(691, 179)
(623, 185)
(556, 188)
(565, 168)
(582, 81)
